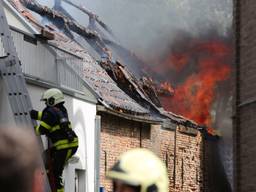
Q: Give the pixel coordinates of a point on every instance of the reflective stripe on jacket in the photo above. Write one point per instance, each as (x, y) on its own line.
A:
(51, 127)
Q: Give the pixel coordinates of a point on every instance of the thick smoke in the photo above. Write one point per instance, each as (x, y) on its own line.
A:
(147, 26)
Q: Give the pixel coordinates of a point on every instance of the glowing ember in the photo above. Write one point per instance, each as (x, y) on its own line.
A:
(194, 97)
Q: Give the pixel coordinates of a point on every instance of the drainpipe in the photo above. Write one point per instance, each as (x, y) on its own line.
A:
(97, 153)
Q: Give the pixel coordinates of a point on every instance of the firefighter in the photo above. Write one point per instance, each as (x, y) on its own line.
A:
(54, 123)
(139, 170)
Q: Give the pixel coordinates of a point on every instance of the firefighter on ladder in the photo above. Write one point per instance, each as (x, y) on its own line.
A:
(54, 123)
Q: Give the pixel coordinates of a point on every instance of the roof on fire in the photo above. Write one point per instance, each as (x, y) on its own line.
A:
(107, 92)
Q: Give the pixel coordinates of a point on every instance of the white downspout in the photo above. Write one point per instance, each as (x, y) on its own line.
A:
(97, 153)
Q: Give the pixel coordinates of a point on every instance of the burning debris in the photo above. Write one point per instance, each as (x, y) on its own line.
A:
(165, 89)
(143, 91)
(149, 87)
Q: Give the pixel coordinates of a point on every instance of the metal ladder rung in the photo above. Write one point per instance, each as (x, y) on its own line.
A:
(20, 107)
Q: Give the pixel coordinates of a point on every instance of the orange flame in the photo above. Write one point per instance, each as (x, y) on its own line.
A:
(195, 96)
(178, 60)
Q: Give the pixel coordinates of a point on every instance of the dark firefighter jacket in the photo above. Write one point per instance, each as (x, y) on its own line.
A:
(56, 126)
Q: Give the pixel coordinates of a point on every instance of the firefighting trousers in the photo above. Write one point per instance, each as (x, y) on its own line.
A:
(58, 161)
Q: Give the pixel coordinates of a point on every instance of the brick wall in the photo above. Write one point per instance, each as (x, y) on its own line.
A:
(185, 152)
(188, 163)
(119, 135)
(245, 94)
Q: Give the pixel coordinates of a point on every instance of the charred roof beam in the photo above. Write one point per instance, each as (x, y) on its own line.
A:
(92, 17)
(59, 18)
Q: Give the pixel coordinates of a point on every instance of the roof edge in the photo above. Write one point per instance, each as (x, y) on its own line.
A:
(71, 92)
(101, 108)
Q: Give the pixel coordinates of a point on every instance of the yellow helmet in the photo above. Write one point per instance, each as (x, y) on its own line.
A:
(52, 97)
(141, 167)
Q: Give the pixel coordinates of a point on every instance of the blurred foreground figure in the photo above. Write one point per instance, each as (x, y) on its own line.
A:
(139, 170)
(19, 161)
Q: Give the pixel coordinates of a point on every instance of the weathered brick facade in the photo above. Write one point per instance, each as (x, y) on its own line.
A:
(245, 95)
(119, 135)
(185, 151)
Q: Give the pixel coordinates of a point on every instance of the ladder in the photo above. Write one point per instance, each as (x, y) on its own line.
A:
(14, 82)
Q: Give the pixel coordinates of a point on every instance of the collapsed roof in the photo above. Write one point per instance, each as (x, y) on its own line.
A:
(116, 88)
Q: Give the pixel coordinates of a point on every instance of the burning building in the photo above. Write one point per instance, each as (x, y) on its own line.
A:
(128, 110)
(201, 71)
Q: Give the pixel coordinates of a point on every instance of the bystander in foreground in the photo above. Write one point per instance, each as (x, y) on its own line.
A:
(19, 161)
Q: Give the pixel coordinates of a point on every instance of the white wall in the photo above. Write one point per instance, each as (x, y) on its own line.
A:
(82, 116)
